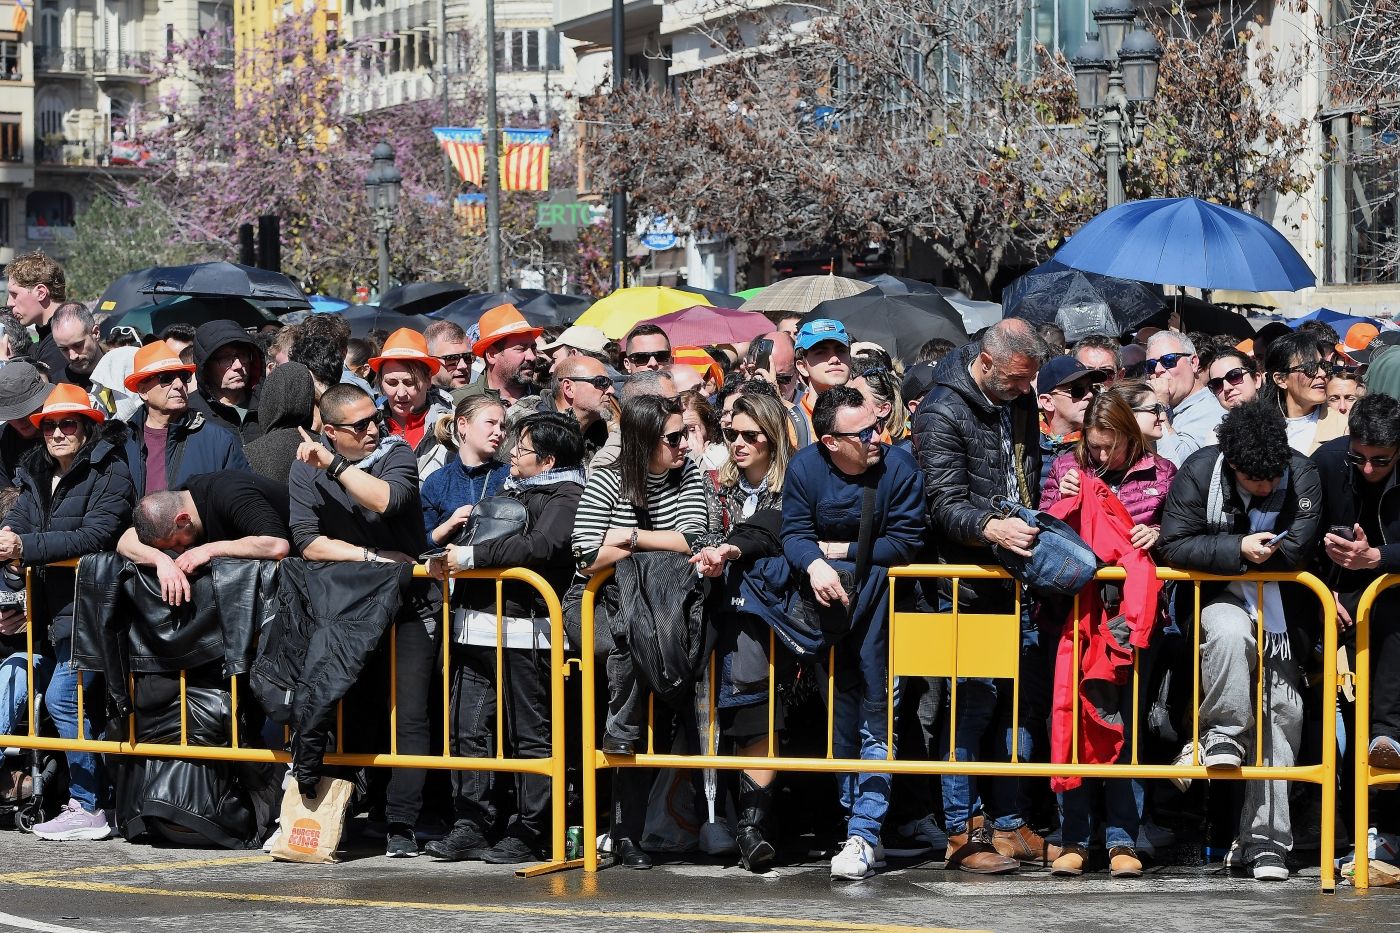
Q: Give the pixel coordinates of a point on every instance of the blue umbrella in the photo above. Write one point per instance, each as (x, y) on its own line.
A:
(1340, 322)
(1187, 241)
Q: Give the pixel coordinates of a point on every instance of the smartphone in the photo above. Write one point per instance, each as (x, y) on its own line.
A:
(1277, 538)
(761, 353)
(1345, 532)
(429, 555)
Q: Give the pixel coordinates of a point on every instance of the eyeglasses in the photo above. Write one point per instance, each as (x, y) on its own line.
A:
(1166, 361)
(1234, 377)
(641, 359)
(750, 437)
(356, 427)
(1077, 390)
(66, 426)
(1157, 411)
(673, 440)
(1315, 368)
(864, 435)
(453, 360)
(521, 450)
(1355, 459)
(601, 383)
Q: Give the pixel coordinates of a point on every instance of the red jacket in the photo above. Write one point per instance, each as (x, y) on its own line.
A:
(1105, 526)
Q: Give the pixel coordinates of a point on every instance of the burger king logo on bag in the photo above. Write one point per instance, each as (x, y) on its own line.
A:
(305, 835)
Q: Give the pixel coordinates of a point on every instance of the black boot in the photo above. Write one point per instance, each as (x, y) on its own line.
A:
(755, 852)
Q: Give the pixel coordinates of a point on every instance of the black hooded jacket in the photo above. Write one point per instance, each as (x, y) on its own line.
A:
(208, 340)
(287, 403)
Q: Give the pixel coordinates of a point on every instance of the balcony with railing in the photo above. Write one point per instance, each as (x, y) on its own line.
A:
(123, 63)
(60, 59)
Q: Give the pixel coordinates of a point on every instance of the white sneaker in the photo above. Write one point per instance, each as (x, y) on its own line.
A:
(855, 861)
(271, 841)
(1183, 760)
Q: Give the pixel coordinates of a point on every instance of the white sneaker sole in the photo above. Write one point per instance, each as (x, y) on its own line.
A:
(77, 835)
(851, 876)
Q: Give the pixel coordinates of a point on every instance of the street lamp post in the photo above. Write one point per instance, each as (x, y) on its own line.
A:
(1115, 77)
(382, 184)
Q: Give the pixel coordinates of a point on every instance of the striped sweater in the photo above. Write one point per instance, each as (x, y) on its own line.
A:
(675, 502)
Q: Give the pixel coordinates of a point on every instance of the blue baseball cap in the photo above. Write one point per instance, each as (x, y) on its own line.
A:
(823, 328)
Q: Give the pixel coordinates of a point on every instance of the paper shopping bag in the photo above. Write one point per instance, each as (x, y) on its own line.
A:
(312, 826)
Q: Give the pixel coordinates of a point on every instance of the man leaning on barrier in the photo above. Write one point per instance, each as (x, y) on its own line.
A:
(977, 439)
(850, 501)
(1251, 503)
(229, 513)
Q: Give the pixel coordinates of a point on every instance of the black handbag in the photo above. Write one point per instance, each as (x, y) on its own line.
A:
(493, 518)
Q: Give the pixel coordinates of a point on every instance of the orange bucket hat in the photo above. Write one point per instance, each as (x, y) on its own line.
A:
(499, 323)
(66, 399)
(406, 345)
(153, 359)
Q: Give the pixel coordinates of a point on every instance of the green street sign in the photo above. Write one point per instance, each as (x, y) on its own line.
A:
(563, 214)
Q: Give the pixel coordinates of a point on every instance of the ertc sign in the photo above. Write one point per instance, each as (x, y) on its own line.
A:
(562, 215)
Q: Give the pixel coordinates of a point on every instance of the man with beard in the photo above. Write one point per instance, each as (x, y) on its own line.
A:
(581, 388)
(977, 440)
(507, 346)
(448, 342)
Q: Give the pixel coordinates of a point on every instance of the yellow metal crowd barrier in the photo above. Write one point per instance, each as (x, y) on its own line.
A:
(551, 767)
(984, 645)
(1366, 777)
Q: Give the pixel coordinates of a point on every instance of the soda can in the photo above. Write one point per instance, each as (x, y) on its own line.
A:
(573, 842)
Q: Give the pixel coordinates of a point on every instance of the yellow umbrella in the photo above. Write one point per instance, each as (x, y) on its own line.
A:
(625, 308)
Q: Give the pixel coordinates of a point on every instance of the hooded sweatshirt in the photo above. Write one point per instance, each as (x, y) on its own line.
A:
(286, 403)
(208, 340)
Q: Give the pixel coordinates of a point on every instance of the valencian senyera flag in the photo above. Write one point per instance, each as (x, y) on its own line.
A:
(524, 156)
(471, 210)
(21, 16)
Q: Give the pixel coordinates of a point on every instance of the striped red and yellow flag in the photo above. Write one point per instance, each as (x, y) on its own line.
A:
(20, 17)
(525, 160)
(471, 210)
(466, 148)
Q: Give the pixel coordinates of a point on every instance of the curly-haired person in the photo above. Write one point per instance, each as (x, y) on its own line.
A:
(1250, 502)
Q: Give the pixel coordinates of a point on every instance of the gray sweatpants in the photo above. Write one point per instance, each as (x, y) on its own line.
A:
(1229, 657)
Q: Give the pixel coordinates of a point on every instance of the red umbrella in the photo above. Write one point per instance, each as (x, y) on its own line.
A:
(702, 326)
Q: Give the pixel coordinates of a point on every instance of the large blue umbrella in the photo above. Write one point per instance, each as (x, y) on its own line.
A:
(1187, 241)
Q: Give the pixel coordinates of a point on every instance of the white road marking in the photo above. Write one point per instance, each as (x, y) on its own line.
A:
(24, 923)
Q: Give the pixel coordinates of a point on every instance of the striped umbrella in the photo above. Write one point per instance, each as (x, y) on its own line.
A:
(802, 293)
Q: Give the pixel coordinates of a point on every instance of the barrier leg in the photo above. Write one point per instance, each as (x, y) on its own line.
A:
(1361, 741)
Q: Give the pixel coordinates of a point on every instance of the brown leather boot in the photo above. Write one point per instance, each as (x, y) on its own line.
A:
(1025, 845)
(1071, 862)
(973, 852)
(1124, 863)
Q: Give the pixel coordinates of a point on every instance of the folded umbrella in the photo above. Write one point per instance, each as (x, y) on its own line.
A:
(212, 279)
(896, 285)
(801, 293)
(540, 308)
(703, 325)
(422, 297)
(366, 318)
(1189, 242)
(899, 323)
(1080, 303)
(625, 308)
(189, 309)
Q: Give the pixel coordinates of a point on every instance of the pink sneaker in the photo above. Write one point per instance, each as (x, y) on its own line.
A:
(73, 822)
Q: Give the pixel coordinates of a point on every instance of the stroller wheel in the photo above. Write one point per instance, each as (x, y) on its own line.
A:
(28, 816)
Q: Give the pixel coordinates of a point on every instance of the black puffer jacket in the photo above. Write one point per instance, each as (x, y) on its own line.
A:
(957, 439)
(85, 513)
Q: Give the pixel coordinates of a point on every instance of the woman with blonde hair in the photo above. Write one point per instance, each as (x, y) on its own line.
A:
(475, 431)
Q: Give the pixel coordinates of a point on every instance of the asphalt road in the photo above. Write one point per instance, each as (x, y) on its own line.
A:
(116, 887)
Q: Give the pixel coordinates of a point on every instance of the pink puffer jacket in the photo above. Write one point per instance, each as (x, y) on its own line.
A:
(1142, 492)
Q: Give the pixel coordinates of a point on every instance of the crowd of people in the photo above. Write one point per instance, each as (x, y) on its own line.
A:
(735, 491)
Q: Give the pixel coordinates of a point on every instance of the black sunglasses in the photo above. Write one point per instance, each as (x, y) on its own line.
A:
(453, 360)
(356, 427)
(641, 359)
(171, 376)
(1234, 377)
(1355, 459)
(1315, 368)
(67, 426)
(673, 439)
(1166, 361)
(1344, 370)
(1158, 411)
(785, 378)
(601, 383)
(1077, 390)
(864, 435)
(750, 437)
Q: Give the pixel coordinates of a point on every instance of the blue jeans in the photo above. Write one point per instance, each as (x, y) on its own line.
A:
(14, 688)
(61, 700)
(1122, 797)
(859, 724)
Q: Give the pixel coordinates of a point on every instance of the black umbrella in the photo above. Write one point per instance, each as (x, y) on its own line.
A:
(538, 307)
(365, 318)
(422, 297)
(718, 299)
(218, 279)
(125, 293)
(1201, 317)
(899, 323)
(189, 309)
(895, 285)
(1081, 303)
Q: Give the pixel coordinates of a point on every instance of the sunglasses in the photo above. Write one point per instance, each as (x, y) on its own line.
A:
(66, 426)
(124, 332)
(601, 383)
(673, 440)
(864, 435)
(356, 427)
(1315, 368)
(1166, 361)
(1234, 377)
(453, 360)
(1355, 459)
(1077, 390)
(641, 359)
(1342, 369)
(750, 437)
(170, 378)
(785, 378)
(1159, 410)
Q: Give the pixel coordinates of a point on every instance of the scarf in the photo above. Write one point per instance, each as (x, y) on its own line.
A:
(1263, 515)
(551, 477)
(386, 444)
